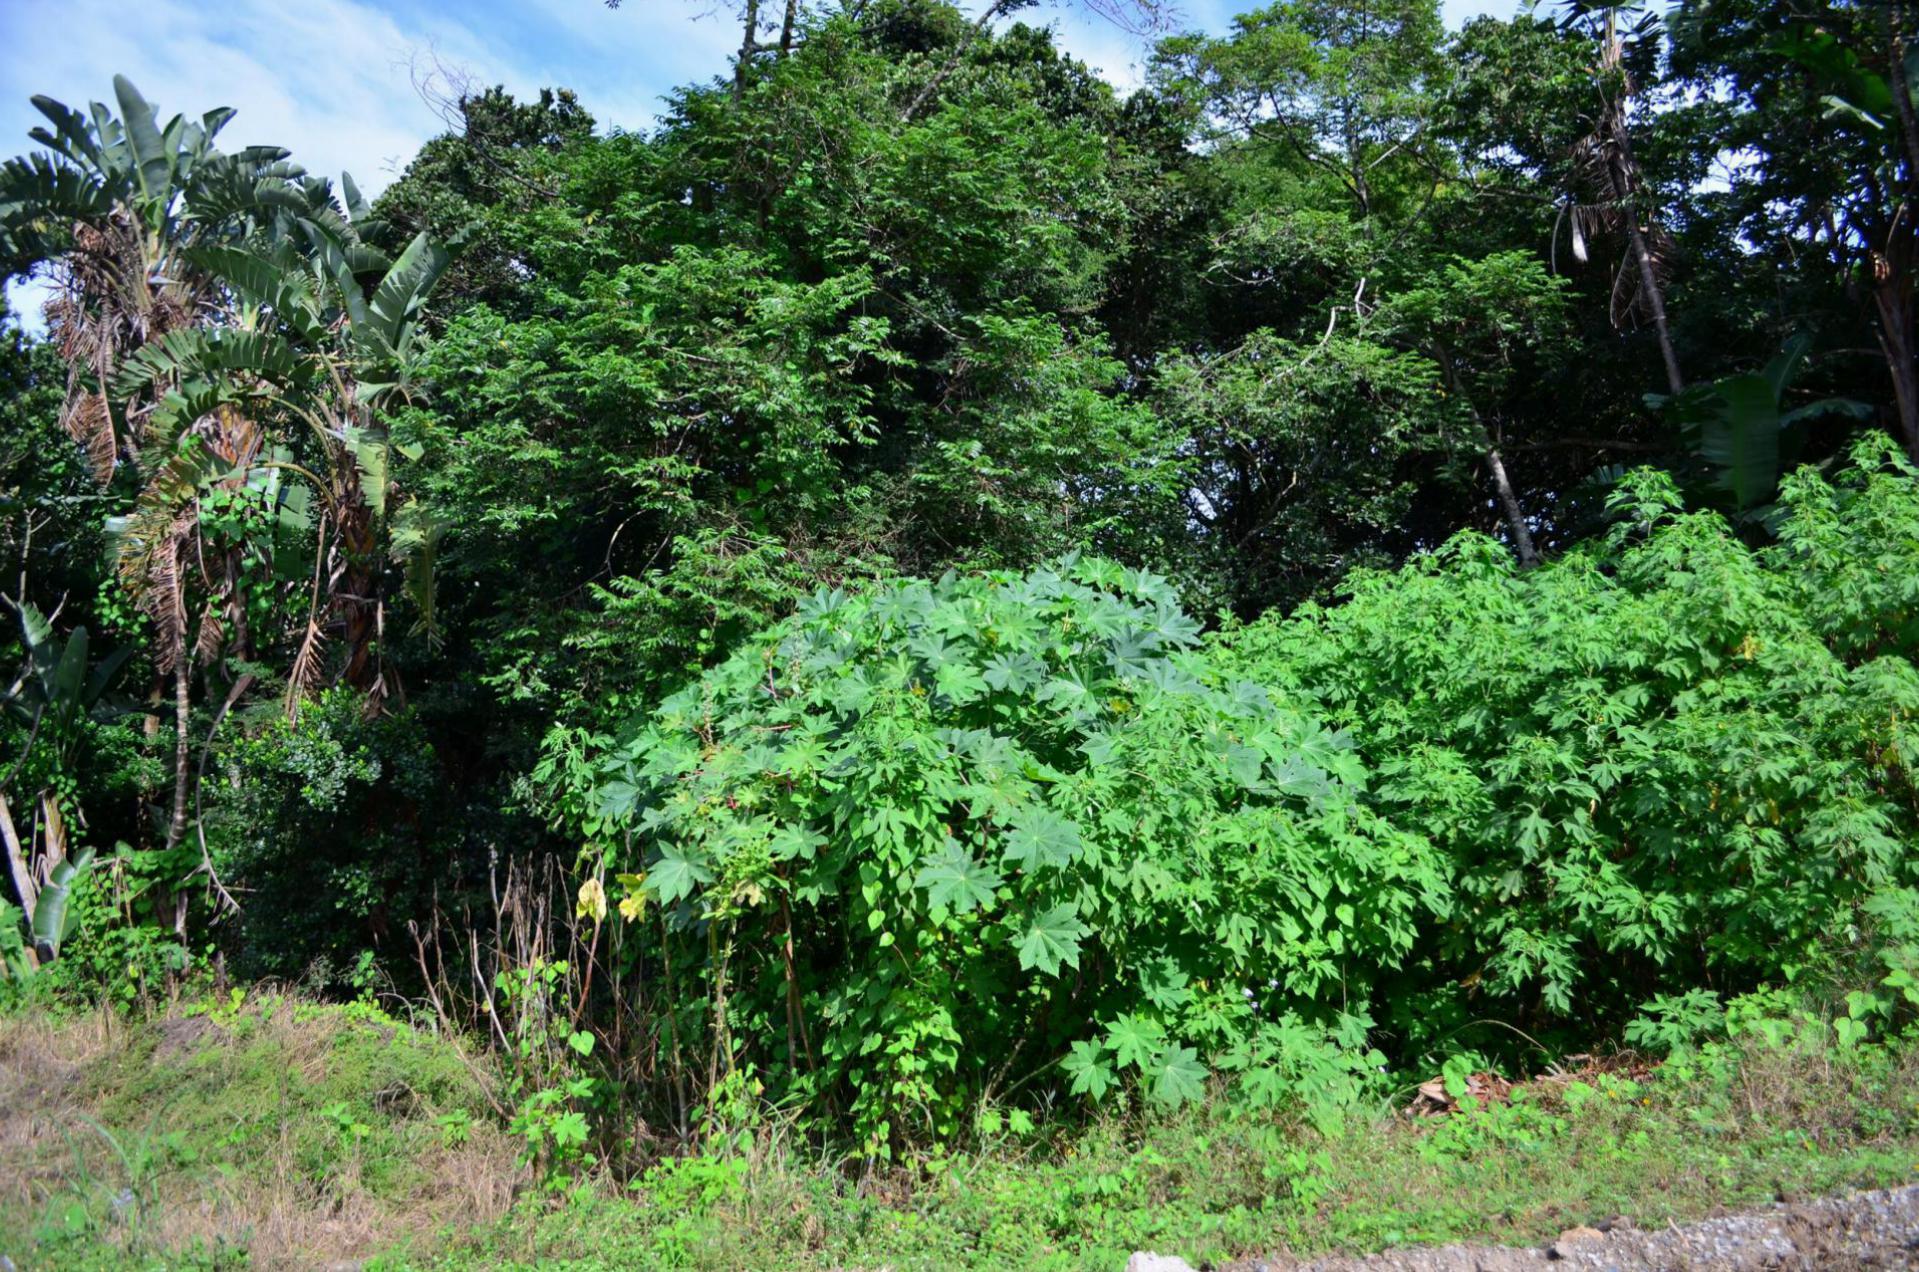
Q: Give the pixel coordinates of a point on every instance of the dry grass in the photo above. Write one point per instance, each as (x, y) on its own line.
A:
(43, 1099)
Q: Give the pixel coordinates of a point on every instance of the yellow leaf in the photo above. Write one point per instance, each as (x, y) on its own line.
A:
(592, 900)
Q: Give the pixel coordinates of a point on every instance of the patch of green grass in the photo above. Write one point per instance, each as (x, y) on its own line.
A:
(268, 1132)
(1731, 1126)
(325, 1088)
(253, 1127)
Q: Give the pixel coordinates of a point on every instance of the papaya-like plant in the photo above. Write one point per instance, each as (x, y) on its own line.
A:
(943, 841)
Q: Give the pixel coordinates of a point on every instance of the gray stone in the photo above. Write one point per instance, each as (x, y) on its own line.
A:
(1147, 1261)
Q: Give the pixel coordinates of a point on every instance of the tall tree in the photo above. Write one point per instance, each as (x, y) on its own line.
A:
(1828, 142)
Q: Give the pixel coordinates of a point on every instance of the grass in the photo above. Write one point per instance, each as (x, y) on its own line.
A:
(267, 1132)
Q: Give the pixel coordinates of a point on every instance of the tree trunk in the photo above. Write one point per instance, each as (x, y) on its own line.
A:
(1655, 301)
(1892, 298)
(356, 599)
(22, 876)
(1523, 546)
(1623, 175)
(182, 746)
(17, 860)
(749, 45)
(1891, 265)
(182, 773)
(786, 27)
(1509, 504)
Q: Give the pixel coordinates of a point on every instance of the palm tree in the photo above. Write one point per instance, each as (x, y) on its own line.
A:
(228, 330)
(113, 204)
(319, 333)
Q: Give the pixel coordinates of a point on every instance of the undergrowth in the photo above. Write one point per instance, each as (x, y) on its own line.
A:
(264, 1131)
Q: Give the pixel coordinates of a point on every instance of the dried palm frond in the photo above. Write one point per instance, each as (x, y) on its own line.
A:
(211, 636)
(308, 669)
(89, 421)
(153, 539)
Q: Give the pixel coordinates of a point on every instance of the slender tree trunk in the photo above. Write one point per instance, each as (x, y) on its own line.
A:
(1902, 92)
(1625, 182)
(1509, 504)
(182, 772)
(786, 26)
(182, 746)
(1523, 546)
(183, 749)
(17, 860)
(1892, 298)
(1655, 301)
(1623, 175)
(22, 876)
(749, 45)
(1891, 265)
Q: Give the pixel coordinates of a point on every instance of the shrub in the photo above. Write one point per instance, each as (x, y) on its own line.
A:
(326, 826)
(1664, 761)
(941, 842)
(997, 834)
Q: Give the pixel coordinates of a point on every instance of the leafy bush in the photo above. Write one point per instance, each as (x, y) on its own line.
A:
(945, 841)
(325, 826)
(1662, 762)
(925, 844)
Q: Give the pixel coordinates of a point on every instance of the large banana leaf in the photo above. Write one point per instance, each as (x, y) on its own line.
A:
(53, 916)
(70, 135)
(404, 289)
(415, 545)
(1736, 425)
(153, 161)
(209, 355)
(277, 286)
(59, 683)
(40, 200)
(1739, 437)
(371, 459)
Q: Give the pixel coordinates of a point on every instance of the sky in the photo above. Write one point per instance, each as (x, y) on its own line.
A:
(337, 81)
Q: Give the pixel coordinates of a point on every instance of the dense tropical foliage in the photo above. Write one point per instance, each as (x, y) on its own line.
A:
(921, 581)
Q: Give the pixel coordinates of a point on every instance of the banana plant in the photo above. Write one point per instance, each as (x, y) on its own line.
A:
(51, 922)
(53, 913)
(323, 331)
(1739, 426)
(115, 201)
(58, 686)
(17, 960)
(56, 689)
(46, 894)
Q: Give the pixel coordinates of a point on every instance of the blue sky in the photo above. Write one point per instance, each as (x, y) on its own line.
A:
(334, 79)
